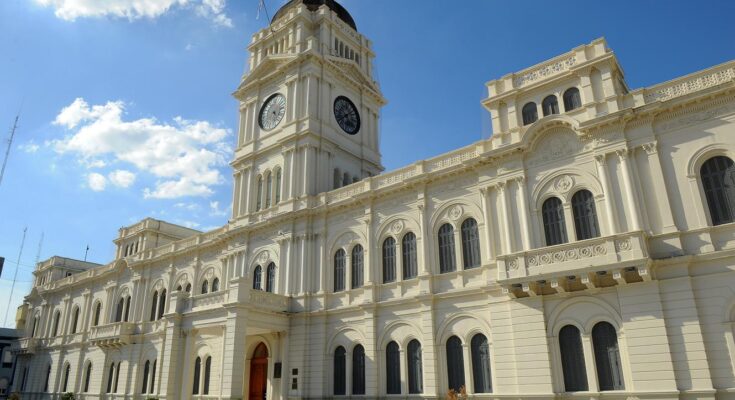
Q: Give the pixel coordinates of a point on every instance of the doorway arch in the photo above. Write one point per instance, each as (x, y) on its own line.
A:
(259, 373)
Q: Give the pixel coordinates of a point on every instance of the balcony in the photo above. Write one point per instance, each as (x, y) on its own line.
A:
(587, 264)
(268, 301)
(113, 335)
(25, 346)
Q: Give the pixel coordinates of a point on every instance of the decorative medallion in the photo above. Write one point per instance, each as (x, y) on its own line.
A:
(455, 212)
(264, 256)
(397, 227)
(564, 183)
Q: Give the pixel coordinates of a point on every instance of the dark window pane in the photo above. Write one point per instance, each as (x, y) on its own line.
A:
(358, 370)
(393, 368)
(455, 363)
(410, 262)
(718, 181)
(207, 373)
(470, 244)
(197, 374)
(340, 371)
(146, 371)
(257, 278)
(607, 357)
(447, 262)
(389, 260)
(481, 364)
(415, 368)
(585, 215)
(554, 226)
(572, 359)
(530, 113)
(572, 99)
(154, 303)
(270, 280)
(550, 105)
(339, 270)
(357, 267)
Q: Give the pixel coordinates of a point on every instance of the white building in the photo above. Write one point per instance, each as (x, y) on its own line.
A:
(586, 250)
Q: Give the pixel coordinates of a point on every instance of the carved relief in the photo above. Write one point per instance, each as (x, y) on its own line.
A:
(455, 212)
(563, 184)
(397, 227)
(544, 71)
(556, 146)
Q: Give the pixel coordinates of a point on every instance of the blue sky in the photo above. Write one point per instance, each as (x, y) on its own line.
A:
(126, 112)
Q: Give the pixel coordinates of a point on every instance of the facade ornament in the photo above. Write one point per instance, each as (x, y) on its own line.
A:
(455, 212)
(622, 154)
(600, 159)
(397, 227)
(564, 184)
(264, 256)
(650, 148)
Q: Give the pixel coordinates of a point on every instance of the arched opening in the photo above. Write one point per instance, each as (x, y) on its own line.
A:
(455, 364)
(550, 105)
(259, 373)
(530, 113)
(572, 99)
(718, 180)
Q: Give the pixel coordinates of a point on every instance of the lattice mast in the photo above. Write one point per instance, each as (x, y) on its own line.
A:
(7, 151)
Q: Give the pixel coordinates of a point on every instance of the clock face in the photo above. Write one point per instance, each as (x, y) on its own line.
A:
(272, 112)
(346, 115)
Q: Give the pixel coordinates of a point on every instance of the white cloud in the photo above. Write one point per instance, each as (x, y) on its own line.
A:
(183, 156)
(215, 211)
(121, 178)
(96, 182)
(70, 10)
(29, 147)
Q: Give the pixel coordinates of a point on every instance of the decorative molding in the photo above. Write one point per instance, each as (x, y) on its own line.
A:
(564, 183)
(650, 148)
(544, 71)
(683, 87)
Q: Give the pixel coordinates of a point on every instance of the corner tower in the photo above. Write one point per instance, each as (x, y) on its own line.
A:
(309, 110)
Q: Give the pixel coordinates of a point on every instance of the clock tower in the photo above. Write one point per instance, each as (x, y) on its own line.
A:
(309, 110)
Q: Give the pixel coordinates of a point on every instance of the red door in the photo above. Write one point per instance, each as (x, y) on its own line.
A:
(259, 373)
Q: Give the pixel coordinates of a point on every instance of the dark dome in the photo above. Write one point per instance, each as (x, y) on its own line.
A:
(314, 5)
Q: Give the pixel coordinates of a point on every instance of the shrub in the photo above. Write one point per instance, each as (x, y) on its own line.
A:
(68, 396)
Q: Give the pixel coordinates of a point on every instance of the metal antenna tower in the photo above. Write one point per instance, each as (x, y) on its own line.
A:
(7, 151)
(38, 253)
(15, 275)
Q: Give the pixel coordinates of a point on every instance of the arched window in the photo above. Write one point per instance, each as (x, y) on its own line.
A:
(345, 179)
(393, 368)
(572, 99)
(337, 178)
(207, 374)
(357, 267)
(146, 371)
(162, 304)
(34, 330)
(97, 311)
(455, 363)
(278, 186)
(259, 194)
(585, 215)
(258, 278)
(481, 364)
(154, 305)
(554, 227)
(197, 374)
(268, 190)
(188, 288)
(110, 378)
(607, 357)
(415, 368)
(74, 320)
(550, 105)
(718, 180)
(339, 270)
(153, 378)
(87, 376)
(410, 262)
(340, 371)
(179, 288)
(530, 113)
(205, 286)
(270, 278)
(117, 376)
(126, 318)
(572, 359)
(358, 370)
(389, 260)
(215, 285)
(67, 371)
(470, 244)
(57, 317)
(120, 309)
(447, 262)
(48, 379)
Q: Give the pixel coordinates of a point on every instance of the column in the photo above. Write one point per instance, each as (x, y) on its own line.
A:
(425, 238)
(488, 224)
(600, 161)
(236, 193)
(233, 363)
(308, 184)
(505, 234)
(629, 195)
(170, 359)
(662, 194)
(524, 212)
(247, 182)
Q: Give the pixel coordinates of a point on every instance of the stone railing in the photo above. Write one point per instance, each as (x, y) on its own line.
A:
(572, 258)
(24, 346)
(207, 300)
(718, 75)
(268, 301)
(112, 335)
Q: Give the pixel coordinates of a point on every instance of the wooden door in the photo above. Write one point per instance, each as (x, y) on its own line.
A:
(258, 378)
